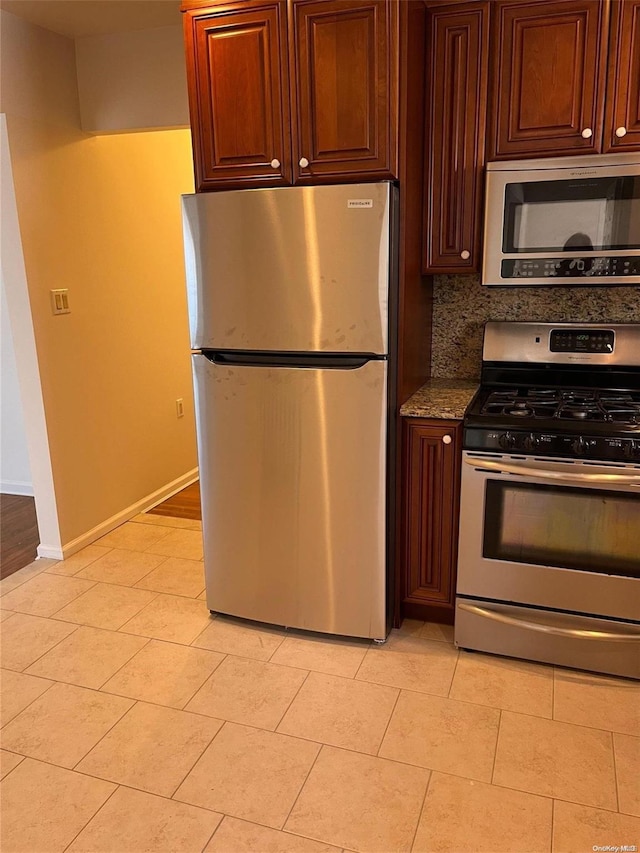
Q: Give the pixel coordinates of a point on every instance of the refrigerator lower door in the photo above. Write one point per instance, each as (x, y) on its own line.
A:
(293, 483)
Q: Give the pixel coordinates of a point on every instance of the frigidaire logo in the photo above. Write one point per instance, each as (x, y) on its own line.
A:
(585, 172)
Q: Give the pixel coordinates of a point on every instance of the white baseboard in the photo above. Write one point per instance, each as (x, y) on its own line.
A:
(16, 487)
(171, 489)
(49, 552)
(110, 524)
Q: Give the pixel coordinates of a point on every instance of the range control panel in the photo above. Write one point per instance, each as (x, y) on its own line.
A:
(607, 266)
(599, 447)
(582, 340)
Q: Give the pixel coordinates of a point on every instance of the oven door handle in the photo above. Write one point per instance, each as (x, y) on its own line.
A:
(549, 474)
(576, 633)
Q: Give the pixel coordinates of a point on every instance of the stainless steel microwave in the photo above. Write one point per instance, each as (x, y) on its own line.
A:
(562, 221)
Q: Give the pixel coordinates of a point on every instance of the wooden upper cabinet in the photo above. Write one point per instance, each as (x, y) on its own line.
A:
(252, 127)
(238, 95)
(622, 118)
(457, 58)
(344, 74)
(548, 77)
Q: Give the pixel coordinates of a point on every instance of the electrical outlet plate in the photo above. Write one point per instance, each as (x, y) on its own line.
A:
(60, 301)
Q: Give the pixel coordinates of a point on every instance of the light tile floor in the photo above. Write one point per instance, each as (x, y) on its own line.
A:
(133, 720)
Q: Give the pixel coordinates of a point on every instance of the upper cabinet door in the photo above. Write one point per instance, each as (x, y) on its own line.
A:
(238, 96)
(622, 121)
(344, 76)
(548, 77)
(457, 48)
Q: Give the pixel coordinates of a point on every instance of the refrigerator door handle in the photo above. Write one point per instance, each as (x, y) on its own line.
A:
(331, 361)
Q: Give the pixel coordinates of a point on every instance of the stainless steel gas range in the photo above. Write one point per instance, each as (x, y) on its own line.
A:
(549, 550)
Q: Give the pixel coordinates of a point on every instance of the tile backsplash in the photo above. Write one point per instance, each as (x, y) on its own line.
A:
(461, 306)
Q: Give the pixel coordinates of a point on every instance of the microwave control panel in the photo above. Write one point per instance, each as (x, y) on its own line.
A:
(619, 267)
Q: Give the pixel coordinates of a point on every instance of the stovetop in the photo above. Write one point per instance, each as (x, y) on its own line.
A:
(570, 405)
(553, 390)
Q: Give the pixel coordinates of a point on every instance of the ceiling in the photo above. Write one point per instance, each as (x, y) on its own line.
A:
(78, 18)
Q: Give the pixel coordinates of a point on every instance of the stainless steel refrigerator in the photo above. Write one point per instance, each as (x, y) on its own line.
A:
(291, 297)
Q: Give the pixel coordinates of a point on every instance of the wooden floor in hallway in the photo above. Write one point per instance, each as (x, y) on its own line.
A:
(19, 537)
(184, 504)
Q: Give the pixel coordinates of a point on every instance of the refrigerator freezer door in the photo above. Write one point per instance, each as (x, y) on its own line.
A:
(293, 469)
(297, 269)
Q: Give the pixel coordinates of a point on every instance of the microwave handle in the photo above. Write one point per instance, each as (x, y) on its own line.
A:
(548, 474)
(577, 633)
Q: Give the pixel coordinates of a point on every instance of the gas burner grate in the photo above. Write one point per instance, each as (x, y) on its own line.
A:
(580, 411)
(629, 415)
(567, 404)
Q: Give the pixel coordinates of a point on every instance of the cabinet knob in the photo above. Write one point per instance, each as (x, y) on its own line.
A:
(620, 132)
(446, 439)
(275, 164)
(465, 255)
(587, 133)
(303, 163)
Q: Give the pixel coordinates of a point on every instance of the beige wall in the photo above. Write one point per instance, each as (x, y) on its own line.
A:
(101, 216)
(133, 80)
(37, 73)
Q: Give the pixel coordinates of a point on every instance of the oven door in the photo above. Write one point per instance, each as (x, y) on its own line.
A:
(549, 561)
(560, 534)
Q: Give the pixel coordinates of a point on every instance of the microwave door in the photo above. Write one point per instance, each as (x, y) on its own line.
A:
(562, 226)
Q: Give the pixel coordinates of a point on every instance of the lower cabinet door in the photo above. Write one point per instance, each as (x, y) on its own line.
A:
(432, 450)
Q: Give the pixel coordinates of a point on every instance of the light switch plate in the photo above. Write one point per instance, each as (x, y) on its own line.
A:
(60, 301)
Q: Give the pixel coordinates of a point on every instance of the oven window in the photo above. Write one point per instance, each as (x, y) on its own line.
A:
(592, 214)
(590, 529)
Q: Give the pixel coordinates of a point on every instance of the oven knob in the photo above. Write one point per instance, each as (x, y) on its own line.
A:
(507, 440)
(531, 442)
(579, 445)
